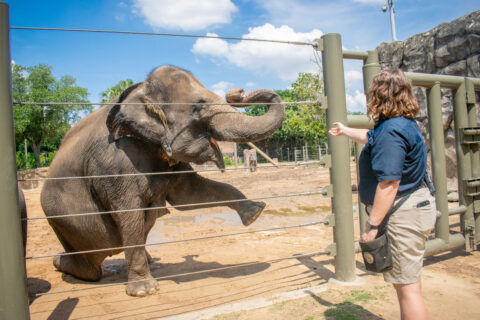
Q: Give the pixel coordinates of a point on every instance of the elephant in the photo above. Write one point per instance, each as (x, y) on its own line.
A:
(159, 125)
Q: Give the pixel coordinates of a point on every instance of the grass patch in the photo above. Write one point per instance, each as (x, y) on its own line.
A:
(345, 311)
(349, 309)
(360, 296)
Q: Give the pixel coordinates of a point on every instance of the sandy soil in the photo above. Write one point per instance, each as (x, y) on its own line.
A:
(250, 265)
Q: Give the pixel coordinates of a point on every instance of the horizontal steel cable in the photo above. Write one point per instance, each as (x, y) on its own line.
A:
(296, 256)
(170, 172)
(164, 34)
(169, 103)
(324, 221)
(307, 193)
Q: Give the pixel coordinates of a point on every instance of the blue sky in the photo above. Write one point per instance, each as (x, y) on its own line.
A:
(98, 61)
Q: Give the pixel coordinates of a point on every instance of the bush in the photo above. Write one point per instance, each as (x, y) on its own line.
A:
(21, 165)
(228, 161)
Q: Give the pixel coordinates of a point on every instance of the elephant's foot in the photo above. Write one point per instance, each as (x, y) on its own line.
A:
(140, 288)
(251, 211)
(78, 267)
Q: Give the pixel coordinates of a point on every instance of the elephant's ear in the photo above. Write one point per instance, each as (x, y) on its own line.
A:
(115, 119)
(137, 116)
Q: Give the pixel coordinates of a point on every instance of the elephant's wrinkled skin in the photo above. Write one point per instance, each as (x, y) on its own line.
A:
(125, 138)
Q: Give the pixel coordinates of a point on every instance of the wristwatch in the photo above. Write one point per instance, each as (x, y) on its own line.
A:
(371, 225)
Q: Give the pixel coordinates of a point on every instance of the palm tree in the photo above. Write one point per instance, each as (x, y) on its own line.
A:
(116, 90)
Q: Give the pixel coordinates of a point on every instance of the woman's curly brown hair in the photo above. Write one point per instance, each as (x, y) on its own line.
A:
(391, 96)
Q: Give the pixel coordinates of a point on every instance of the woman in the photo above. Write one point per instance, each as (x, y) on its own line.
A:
(392, 166)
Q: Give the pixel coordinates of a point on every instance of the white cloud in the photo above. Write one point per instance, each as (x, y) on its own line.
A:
(281, 60)
(357, 102)
(360, 25)
(186, 15)
(250, 84)
(221, 87)
(352, 77)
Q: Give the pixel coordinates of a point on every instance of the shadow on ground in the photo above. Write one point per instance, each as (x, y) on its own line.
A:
(344, 310)
(115, 271)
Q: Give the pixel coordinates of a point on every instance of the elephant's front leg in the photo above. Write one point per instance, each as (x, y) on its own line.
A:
(192, 188)
(132, 229)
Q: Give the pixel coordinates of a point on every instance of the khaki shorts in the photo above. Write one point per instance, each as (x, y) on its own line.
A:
(408, 229)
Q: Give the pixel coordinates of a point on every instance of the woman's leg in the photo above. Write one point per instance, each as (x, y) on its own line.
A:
(411, 301)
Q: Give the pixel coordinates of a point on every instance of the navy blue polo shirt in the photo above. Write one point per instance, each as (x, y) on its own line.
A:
(394, 151)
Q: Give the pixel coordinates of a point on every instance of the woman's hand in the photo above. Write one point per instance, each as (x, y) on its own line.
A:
(338, 131)
(369, 235)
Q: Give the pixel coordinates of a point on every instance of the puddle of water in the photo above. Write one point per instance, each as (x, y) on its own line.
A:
(174, 223)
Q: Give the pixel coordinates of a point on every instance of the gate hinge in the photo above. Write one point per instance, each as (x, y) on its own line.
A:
(469, 135)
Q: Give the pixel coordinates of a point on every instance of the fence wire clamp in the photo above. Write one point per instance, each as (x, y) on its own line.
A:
(323, 103)
(327, 191)
(332, 249)
(318, 44)
(330, 220)
(326, 161)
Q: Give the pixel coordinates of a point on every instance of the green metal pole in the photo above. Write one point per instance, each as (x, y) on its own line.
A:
(439, 167)
(13, 286)
(371, 68)
(332, 60)
(464, 164)
(475, 153)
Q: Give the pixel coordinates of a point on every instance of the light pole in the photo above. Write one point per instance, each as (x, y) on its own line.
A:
(391, 8)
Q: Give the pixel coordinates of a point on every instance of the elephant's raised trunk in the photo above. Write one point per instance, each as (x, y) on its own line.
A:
(228, 124)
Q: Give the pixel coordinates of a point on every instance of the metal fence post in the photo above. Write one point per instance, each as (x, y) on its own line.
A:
(464, 164)
(371, 67)
(333, 75)
(475, 153)
(439, 167)
(13, 288)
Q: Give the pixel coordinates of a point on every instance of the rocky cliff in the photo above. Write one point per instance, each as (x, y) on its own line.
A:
(452, 49)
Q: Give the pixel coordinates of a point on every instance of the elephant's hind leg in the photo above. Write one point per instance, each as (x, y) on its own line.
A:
(82, 266)
(78, 267)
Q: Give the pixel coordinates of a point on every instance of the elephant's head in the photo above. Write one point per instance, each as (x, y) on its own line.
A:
(188, 126)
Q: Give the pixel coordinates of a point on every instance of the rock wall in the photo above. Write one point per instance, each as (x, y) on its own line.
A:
(452, 49)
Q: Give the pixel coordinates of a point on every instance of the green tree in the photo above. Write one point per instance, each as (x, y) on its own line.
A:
(45, 122)
(116, 90)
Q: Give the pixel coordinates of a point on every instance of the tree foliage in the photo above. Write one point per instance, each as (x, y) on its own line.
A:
(116, 90)
(43, 126)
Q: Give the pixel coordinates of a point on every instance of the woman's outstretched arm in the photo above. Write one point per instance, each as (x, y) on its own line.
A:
(357, 135)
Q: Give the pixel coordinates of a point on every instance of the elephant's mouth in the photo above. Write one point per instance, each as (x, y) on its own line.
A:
(218, 153)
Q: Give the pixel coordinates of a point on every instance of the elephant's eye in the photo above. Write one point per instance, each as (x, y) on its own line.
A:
(197, 109)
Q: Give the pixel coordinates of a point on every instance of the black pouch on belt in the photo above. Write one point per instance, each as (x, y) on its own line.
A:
(376, 254)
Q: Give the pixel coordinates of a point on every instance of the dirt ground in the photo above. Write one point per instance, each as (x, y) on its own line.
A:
(249, 266)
